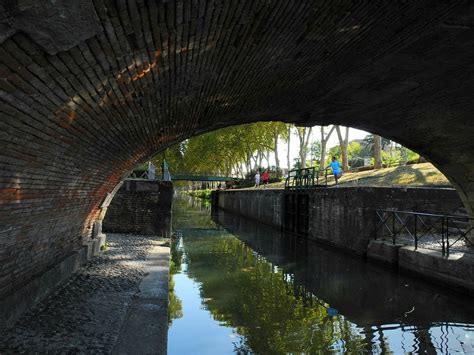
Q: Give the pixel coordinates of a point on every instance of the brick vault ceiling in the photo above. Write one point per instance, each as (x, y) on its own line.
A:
(90, 88)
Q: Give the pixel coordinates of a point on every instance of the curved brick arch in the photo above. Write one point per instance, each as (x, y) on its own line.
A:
(90, 88)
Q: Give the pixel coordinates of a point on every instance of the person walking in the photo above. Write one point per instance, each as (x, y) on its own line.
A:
(265, 177)
(336, 169)
(257, 179)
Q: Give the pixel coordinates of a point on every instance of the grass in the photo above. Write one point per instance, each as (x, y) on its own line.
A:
(424, 174)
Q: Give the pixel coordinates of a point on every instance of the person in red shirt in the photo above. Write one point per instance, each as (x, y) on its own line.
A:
(265, 177)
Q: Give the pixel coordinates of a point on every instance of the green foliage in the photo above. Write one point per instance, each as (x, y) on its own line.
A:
(204, 194)
(354, 151)
(395, 157)
(391, 158)
(175, 307)
(316, 150)
(369, 144)
(412, 157)
(271, 318)
(104, 247)
(219, 151)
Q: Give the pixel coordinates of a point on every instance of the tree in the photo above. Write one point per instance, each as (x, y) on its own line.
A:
(315, 150)
(324, 141)
(288, 152)
(304, 133)
(343, 143)
(278, 130)
(377, 152)
(226, 151)
(354, 150)
(242, 290)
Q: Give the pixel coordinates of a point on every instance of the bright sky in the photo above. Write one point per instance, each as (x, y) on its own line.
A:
(294, 144)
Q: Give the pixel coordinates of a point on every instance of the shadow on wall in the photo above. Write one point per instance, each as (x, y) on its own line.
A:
(365, 293)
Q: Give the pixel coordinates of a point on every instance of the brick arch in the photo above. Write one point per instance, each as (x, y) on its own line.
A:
(90, 88)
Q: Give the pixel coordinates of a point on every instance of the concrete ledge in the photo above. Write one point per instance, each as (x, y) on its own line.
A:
(12, 306)
(383, 252)
(457, 271)
(147, 317)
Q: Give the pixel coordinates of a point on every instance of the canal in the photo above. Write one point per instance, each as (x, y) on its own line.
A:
(242, 287)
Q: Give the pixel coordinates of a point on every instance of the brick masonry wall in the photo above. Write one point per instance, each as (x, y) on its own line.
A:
(89, 89)
(142, 207)
(343, 217)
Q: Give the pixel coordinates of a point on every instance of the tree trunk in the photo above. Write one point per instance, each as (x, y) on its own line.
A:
(324, 141)
(303, 135)
(343, 144)
(288, 153)
(248, 163)
(255, 161)
(346, 145)
(404, 155)
(277, 158)
(323, 150)
(377, 152)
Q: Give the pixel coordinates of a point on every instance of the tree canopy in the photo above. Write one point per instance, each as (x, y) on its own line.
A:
(227, 150)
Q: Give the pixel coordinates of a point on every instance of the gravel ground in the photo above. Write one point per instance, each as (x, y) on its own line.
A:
(85, 314)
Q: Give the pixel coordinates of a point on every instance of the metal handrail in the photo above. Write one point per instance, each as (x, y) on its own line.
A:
(304, 178)
(425, 214)
(416, 228)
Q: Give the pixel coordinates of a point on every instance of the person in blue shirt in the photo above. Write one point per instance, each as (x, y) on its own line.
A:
(336, 168)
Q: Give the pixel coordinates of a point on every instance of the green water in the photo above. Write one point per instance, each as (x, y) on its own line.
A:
(242, 287)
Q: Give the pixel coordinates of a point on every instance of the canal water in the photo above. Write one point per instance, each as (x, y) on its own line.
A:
(242, 287)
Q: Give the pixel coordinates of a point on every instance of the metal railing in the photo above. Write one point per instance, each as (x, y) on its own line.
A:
(432, 231)
(305, 178)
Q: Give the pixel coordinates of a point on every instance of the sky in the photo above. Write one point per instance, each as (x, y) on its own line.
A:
(294, 145)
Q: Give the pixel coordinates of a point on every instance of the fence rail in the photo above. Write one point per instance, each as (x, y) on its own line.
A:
(305, 178)
(432, 231)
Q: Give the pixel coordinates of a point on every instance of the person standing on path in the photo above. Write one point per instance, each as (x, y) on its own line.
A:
(265, 177)
(336, 169)
(257, 179)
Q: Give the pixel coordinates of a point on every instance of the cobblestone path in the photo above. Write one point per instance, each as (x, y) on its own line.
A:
(85, 314)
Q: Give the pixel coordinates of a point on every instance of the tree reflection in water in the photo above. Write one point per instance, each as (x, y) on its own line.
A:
(270, 312)
(175, 308)
(275, 294)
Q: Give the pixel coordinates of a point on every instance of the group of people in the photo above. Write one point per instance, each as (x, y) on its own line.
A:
(334, 165)
(265, 177)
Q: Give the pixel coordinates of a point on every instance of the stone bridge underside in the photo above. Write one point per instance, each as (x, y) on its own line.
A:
(90, 88)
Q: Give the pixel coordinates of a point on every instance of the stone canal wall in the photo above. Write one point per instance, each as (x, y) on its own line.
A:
(142, 207)
(262, 205)
(344, 218)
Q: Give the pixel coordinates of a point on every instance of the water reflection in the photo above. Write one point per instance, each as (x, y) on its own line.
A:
(248, 289)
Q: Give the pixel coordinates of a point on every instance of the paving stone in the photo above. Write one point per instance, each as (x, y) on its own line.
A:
(85, 313)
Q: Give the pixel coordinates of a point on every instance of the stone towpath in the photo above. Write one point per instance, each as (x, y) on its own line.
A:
(101, 304)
